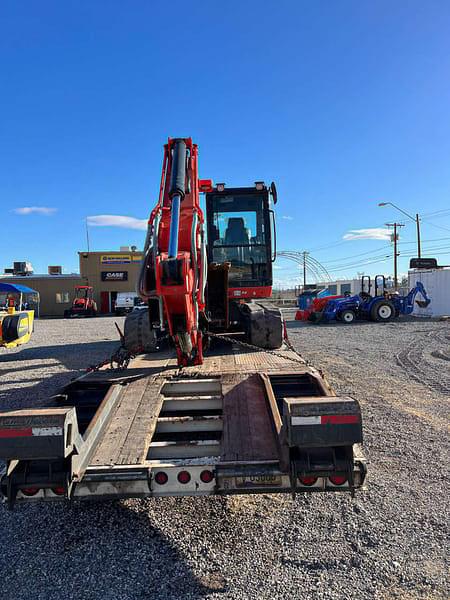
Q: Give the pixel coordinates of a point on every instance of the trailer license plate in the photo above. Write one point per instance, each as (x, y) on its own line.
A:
(258, 481)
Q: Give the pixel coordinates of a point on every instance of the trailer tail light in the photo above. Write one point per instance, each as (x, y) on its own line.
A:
(31, 491)
(308, 480)
(338, 479)
(161, 478)
(206, 476)
(59, 490)
(184, 477)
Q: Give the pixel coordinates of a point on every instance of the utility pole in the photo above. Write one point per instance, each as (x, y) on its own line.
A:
(396, 254)
(418, 237)
(416, 219)
(305, 254)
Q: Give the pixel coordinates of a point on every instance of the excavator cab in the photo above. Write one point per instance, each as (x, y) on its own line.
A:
(241, 232)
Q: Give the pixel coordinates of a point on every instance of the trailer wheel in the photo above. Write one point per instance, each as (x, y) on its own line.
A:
(347, 316)
(138, 335)
(382, 311)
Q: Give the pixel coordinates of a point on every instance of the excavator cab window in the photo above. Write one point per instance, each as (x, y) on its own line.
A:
(239, 233)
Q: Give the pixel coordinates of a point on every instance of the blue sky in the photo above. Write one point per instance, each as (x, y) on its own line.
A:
(344, 104)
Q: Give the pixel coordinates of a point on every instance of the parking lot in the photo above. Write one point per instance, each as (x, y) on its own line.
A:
(388, 542)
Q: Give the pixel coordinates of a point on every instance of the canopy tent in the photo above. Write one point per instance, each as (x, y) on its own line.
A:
(15, 288)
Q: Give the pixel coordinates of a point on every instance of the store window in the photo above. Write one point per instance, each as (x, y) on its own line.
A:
(346, 288)
(62, 297)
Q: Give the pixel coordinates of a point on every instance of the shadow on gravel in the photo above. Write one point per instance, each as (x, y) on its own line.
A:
(92, 551)
(72, 356)
(76, 358)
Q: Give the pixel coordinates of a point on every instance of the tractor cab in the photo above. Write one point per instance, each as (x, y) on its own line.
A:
(241, 227)
(83, 293)
(83, 304)
(379, 287)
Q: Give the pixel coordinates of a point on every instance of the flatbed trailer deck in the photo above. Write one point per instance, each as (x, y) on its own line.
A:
(244, 421)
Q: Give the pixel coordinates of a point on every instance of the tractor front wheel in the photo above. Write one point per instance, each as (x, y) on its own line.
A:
(347, 316)
(382, 311)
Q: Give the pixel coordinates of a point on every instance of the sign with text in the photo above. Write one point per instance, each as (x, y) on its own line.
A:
(423, 263)
(114, 276)
(115, 259)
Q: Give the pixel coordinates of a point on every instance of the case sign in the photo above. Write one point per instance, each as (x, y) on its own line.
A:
(114, 276)
(115, 259)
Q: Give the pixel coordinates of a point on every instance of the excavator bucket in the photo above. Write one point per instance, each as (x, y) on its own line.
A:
(423, 303)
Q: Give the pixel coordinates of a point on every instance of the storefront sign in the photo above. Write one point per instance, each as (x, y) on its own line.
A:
(114, 275)
(115, 259)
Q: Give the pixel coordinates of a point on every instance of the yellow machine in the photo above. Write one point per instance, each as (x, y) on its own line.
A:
(16, 320)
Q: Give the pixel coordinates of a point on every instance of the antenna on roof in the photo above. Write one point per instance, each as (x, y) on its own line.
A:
(87, 234)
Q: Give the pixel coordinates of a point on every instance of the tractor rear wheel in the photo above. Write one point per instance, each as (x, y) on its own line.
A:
(382, 311)
(347, 316)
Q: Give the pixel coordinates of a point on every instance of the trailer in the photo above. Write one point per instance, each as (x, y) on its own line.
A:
(245, 421)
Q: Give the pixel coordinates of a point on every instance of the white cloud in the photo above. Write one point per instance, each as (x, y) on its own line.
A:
(374, 233)
(117, 221)
(287, 218)
(40, 210)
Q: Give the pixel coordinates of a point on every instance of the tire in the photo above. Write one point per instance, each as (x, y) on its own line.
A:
(138, 335)
(347, 316)
(382, 312)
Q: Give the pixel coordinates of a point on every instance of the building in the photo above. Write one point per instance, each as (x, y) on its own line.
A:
(56, 292)
(437, 286)
(107, 272)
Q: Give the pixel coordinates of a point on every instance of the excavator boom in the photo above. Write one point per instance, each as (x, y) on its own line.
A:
(175, 252)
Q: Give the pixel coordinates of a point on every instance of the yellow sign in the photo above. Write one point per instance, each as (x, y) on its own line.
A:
(136, 257)
(115, 259)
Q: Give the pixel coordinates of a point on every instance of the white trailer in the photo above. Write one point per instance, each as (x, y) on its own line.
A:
(437, 286)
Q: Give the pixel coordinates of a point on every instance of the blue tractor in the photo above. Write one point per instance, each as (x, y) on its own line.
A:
(383, 306)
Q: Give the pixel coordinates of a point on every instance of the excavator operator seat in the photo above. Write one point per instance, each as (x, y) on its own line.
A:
(236, 233)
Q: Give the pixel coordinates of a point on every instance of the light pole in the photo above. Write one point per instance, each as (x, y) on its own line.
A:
(416, 219)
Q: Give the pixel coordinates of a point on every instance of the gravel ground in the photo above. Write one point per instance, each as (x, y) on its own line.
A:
(388, 542)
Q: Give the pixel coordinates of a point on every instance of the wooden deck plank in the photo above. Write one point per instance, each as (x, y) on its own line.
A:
(134, 450)
(247, 429)
(115, 435)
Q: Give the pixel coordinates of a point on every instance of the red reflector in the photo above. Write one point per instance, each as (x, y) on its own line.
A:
(339, 419)
(9, 433)
(59, 490)
(161, 478)
(32, 491)
(184, 477)
(309, 480)
(338, 479)
(206, 476)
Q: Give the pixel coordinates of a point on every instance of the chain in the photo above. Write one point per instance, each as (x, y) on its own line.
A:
(248, 346)
(121, 357)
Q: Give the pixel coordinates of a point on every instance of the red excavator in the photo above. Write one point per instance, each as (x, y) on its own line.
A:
(194, 288)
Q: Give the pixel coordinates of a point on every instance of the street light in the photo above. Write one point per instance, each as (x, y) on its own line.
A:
(416, 219)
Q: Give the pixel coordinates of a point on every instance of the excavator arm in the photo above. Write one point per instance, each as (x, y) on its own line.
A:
(175, 263)
(417, 289)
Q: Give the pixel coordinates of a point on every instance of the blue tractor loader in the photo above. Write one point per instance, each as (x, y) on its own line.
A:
(383, 306)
